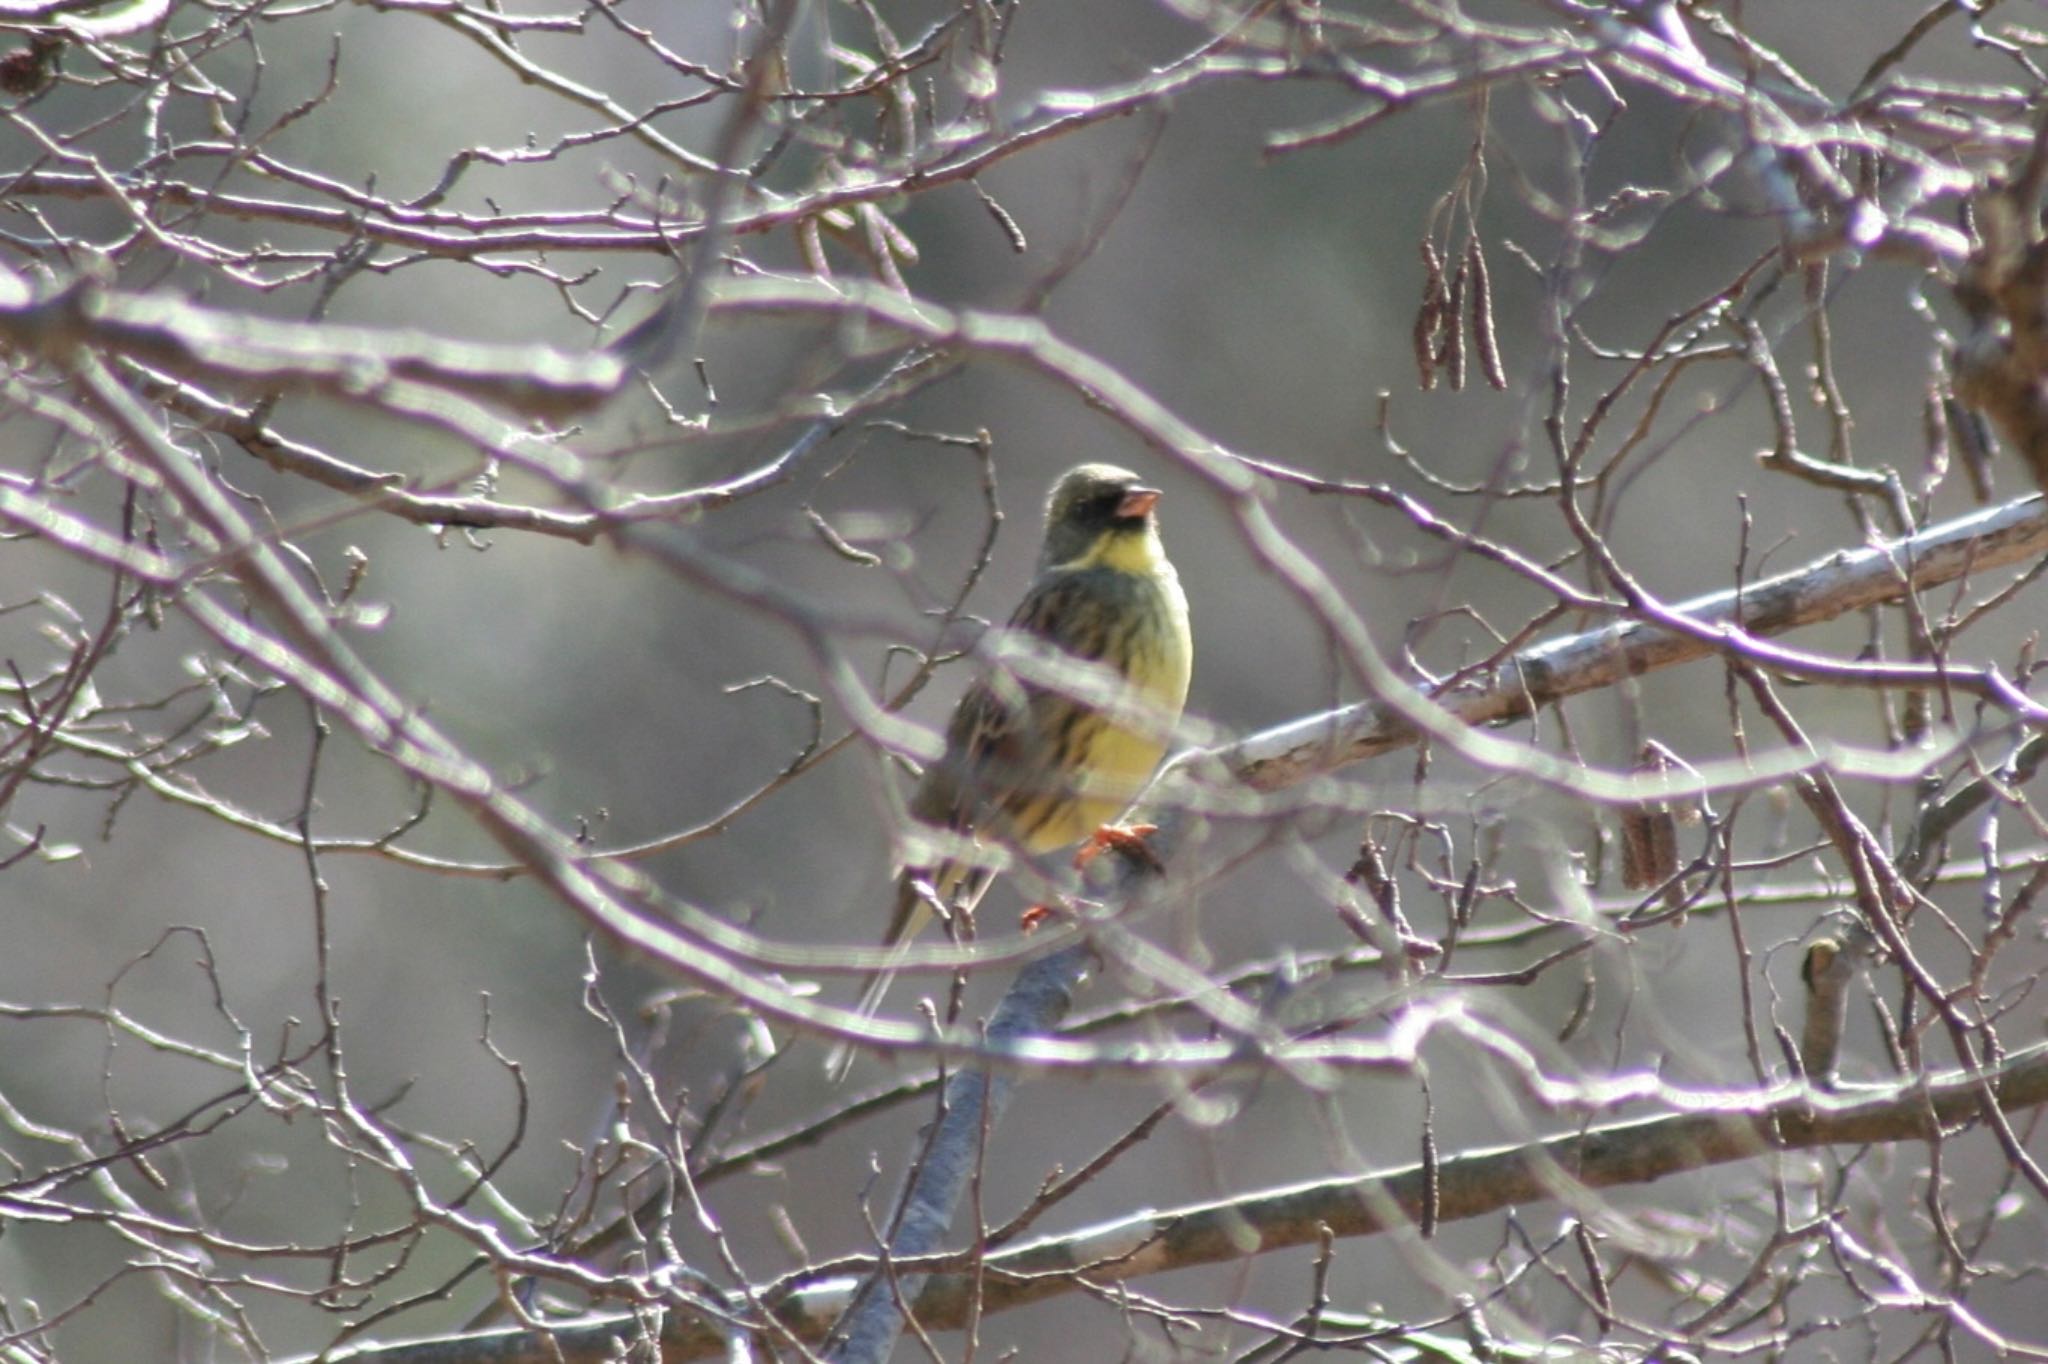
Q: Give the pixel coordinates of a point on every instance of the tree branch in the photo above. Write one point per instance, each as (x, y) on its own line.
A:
(1720, 1128)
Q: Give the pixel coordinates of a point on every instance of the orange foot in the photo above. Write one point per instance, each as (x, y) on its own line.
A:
(1128, 839)
(1036, 917)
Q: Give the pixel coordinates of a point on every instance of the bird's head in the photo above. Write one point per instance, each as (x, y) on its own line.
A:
(1099, 513)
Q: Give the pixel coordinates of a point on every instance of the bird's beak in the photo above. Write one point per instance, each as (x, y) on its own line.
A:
(1137, 503)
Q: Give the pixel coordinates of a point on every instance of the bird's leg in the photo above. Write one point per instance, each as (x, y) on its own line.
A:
(1128, 839)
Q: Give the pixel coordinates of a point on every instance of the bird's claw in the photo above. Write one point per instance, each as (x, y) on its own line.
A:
(1128, 839)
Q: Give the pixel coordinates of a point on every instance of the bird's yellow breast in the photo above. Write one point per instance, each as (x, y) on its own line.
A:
(1111, 762)
(1118, 764)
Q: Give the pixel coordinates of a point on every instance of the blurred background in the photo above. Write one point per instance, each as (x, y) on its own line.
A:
(1268, 298)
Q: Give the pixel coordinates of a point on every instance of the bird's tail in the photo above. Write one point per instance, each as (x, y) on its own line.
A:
(913, 912)
(915, 897)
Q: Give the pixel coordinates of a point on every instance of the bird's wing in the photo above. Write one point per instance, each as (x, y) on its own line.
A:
(995, 740)
(992, 753)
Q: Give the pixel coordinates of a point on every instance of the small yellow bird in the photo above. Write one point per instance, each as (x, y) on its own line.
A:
(1040, 761)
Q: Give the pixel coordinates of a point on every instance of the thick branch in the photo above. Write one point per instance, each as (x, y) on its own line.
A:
(1725, 1128)
(1843, 582)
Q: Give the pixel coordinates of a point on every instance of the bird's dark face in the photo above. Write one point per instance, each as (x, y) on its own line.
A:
(1092, 503)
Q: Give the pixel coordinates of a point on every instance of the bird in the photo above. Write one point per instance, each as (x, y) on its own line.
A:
(1033, 767)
